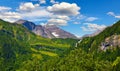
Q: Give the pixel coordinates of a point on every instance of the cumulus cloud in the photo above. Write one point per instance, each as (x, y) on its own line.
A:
(39, 13)
(57, 14)
(28, 6)
(62, 12)
(92, 27)
(113, 14)
(64, 9)
(58, 22)
(7, 15)
(2, 8)
(27, 11)
(10, 16)
(63, 17)
(90, 19)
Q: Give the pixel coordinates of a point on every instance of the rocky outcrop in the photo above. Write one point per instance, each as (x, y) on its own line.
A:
(111, 42)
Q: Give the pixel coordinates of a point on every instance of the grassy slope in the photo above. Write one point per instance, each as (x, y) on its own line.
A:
(18, 45)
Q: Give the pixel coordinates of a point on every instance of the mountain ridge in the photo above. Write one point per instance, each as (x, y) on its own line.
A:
(47, 31)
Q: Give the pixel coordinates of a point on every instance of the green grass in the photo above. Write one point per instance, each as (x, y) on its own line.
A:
(38, 56)
(44, 52)
(52, 45)
(48, 53)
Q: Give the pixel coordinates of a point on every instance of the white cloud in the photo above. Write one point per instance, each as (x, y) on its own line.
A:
(31, 11)
(62, 13)
(117, 16)
(2, 8)
(58, 22)
(64, 9)
(80, 17)
(10, 16)
(92, 27)
(28, 6)
(42, 1)
(53, 1)
(63, 17)
(76, 23)
(113, 14)
(23, 12)
(58, 14)
(38, 13)
(90, 19)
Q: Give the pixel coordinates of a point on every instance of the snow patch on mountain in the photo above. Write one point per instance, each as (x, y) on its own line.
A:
(54, 34)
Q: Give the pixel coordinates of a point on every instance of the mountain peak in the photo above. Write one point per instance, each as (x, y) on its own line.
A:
(48, 31)
(21, 21)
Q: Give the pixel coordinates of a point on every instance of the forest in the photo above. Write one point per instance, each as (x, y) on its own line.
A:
(22, 50)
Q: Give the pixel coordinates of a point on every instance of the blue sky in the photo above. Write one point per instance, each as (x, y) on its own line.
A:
(79, 17)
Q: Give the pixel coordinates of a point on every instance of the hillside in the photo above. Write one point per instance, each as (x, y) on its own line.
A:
(19, 46)
(88, 56)
(22, 50)
(94, 43)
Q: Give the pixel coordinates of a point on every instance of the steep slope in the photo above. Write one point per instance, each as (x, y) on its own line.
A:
(88, 56)
(39, 30)
(27, 24)
(94, 43)
(48, 31)
(19, 46)
(108, 32)
(58, 33)
(106, 45)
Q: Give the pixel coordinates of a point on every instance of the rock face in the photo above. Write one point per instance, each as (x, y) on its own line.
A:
(39, 30)
(47, 31)
(114, 40)
(27, 24)
(58, 33)
(110, 42)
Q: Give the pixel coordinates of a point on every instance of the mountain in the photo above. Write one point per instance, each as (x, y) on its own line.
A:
(109, 34)
(47, 31)
(57, 32)
(22, 50)
(19, 48)
(88, 56)
(27, 24)
(93, 34)
(40, 30)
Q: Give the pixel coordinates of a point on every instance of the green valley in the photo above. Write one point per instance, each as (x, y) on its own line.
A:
(18, 45)
(22, 50)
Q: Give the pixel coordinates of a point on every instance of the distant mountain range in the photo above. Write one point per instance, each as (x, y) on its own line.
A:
(47, 31)
(93, 34)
